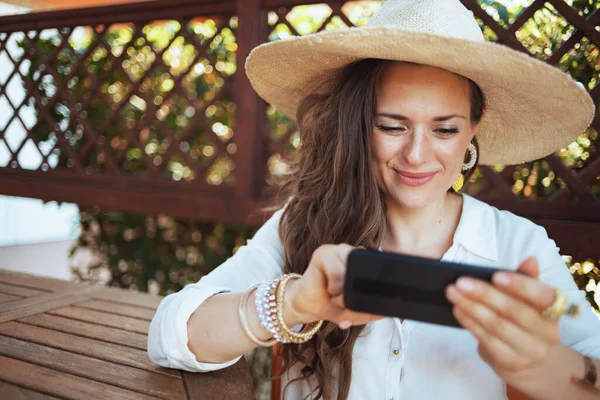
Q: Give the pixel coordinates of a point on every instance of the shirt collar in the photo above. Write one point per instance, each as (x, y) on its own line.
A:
(476, 230)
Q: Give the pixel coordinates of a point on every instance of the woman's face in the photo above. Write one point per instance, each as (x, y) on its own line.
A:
(421, 132)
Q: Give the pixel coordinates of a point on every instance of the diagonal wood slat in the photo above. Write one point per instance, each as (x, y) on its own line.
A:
(525, 15)
(16, 290)
(571, 179)
(38, 304)
(577, 20)
(5, 298)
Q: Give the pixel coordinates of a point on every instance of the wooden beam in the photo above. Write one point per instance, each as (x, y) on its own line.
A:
(134, 195)
(251, 111)
(130, 12)
(540, 208)
(576, 239)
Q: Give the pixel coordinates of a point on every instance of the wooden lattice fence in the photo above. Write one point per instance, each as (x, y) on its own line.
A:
(145, 108)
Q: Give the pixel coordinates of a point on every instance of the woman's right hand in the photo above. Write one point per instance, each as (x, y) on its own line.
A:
(318, 295)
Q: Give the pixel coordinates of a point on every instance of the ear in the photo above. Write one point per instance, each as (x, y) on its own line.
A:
(476, 127)
(474, 130)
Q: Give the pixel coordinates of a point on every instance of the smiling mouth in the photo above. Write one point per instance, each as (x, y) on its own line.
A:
(414, 178)
(415, 174)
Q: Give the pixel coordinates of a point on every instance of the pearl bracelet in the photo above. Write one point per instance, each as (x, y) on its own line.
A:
(265, 300)
(244, 321)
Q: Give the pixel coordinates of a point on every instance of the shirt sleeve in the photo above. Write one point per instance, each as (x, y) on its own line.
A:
(581, 333)
(260, 260)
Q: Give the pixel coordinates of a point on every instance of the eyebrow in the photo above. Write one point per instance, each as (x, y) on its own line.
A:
(435, 119)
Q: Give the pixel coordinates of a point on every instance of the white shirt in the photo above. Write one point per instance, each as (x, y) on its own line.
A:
(432, 361)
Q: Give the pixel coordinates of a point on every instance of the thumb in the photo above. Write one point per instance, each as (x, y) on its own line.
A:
(530, 267)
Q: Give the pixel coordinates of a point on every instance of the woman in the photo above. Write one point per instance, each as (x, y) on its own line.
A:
(391, 114)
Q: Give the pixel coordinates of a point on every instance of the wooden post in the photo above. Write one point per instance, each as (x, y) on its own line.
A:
(250, 123)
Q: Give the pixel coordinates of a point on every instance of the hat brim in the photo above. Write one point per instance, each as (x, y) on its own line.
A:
(533, 109)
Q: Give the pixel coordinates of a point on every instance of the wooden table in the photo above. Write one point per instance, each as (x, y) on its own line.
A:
(69, 340)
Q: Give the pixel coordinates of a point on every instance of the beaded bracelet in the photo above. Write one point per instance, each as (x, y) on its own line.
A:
(244, 321)
(265, 301)
(269, 299)
(286, 334)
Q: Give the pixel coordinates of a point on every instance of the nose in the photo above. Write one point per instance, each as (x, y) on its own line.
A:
(416, 148)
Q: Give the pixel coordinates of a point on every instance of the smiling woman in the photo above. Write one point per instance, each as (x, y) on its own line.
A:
(429, 115)
(389, 116)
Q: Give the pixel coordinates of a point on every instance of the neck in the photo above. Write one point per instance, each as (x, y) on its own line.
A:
(420, 231)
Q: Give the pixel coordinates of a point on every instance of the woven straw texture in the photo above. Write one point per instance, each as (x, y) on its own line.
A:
(533, 109)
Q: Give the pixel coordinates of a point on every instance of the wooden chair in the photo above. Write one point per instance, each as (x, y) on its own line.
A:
(277, 362)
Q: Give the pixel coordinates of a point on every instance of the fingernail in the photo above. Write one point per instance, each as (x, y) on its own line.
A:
(501, 279)
(345, 324)
(465, 284)
(453, 294)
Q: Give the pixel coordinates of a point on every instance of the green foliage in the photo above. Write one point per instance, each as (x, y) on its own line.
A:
(155, 252)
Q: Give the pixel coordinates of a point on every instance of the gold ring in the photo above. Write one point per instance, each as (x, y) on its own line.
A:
(559, 307)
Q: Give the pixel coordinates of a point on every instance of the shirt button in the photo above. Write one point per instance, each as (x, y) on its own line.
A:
(396, 352)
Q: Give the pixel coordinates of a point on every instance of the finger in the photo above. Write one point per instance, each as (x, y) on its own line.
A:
(530, 266)
(509, 307)
(485, 355)
(329, 262)
(337, 259)
(532, 291)
(496, 325)
(497, 351)
(354, 318)
(343, 250)
(338, 301)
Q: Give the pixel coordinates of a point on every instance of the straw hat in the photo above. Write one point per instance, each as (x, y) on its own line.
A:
(533, 109)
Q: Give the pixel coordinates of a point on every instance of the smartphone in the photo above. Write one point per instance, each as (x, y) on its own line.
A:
(402, 286)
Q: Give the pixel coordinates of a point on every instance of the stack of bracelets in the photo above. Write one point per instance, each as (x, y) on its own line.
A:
(269, 307)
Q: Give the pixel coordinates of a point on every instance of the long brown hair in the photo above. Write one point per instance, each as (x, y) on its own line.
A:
(334, 198)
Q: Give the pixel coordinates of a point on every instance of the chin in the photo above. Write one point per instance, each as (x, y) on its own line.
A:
(415, 197)
(412, 200)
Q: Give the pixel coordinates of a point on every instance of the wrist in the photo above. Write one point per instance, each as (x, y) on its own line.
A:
(291, 315)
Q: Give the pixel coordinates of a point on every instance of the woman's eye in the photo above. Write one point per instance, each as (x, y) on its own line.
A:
(447, 132)
(391, 128)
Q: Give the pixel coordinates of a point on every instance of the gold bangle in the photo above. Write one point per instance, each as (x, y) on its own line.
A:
(287, 335)
(244, 320)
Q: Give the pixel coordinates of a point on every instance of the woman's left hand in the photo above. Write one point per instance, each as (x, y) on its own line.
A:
(506, 318)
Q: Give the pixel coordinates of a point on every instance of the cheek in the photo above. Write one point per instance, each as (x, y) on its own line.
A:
(385, 148)
(451, 154)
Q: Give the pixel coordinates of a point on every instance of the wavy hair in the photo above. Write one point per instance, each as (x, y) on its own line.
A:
(334, 198)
